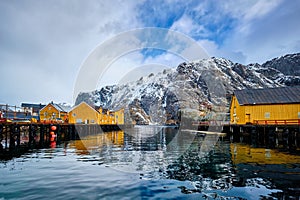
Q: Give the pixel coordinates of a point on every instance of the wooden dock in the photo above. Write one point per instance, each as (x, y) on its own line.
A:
(268, 133)
(17, 138)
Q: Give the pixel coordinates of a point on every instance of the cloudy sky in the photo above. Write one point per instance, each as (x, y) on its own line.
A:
(43, 44)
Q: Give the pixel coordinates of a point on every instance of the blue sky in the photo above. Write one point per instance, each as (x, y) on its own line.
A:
(44, 43)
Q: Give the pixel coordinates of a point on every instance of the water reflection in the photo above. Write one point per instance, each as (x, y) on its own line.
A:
(101, 141)
(244, 153)
(153, 162)
(281, 169)
(142, 149)
(209, 161)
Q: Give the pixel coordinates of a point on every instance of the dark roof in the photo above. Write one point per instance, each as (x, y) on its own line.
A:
(32, 105)
(268, 95)
(4, 108)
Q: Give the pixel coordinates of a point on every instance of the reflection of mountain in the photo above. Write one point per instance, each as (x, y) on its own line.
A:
(144, 138)
(236, 165)
(214, 170)
(162, 152)
(144, 148)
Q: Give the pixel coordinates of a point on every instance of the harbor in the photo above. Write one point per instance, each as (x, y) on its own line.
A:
(261, 116)
(153, 162)
(150, 100)
(251, 151)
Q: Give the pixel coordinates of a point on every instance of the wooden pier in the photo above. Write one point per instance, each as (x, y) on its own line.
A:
(18, 138)
(267, 133)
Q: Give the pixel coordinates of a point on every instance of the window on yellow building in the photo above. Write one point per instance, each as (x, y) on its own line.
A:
(267, 115)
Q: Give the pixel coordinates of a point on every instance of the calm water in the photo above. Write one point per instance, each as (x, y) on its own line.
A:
(151, 163)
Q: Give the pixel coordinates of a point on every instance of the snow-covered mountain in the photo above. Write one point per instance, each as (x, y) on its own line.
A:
(198, 88)
(288, 64)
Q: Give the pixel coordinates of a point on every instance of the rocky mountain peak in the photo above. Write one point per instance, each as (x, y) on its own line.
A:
(288, 64)
(198, 88)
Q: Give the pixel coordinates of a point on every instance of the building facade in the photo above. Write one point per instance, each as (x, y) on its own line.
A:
(268, 106)
(83, 114)
(54, 113)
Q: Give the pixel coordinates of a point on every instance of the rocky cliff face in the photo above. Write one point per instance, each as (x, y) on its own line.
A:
(196, 89)
(288, 64)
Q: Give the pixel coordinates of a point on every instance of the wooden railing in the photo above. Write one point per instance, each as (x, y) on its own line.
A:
(210, 123)
(278, 122)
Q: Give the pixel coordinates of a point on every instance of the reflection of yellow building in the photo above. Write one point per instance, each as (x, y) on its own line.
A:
(98, 141)
(83, 114)
(245, 154)
(80, 147)
(270, 105)
(54, 112)
(116, 137)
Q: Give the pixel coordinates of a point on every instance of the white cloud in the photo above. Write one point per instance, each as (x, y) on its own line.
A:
(245, 10)
(214, 50)
(119, 55)
(255, 13)
(260, 9)
(188, 26)
(167, 59)
(271, 33)
(134, 65)
(44, 43)
(260, 30)
(120, 67)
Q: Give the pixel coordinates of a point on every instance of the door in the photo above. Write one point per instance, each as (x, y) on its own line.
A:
(247, 119)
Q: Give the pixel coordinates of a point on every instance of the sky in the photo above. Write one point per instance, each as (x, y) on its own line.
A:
(44, 44)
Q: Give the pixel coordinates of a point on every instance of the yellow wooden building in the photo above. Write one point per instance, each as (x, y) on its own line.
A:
(54, 113)
(80, 114)
(117, 116)
(83, 114)
(103, 116)
(111, 117)
(268, 106)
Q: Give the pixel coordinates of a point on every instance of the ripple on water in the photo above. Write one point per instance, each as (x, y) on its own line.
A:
(145, 167)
